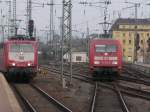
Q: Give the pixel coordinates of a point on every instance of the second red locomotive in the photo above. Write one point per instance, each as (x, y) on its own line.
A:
(18, 57)
(105, 56)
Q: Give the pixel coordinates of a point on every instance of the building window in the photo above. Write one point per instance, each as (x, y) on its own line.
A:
(124, 41)
(135, 26)
(124, 34)
(123, 26)
(147, 34)
(129, 58)
(130, 34)
(130, 50)
(141, 34)
(129, 41)
(142, 42)
(124, 50)
(78, 58)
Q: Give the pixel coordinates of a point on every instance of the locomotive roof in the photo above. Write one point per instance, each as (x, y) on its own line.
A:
(104, 40)
(21, 37)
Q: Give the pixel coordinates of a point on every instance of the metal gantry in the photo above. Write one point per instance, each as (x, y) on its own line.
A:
(87, 39)
(8, 20)
(51, 23)
(14, 18)
(105, 23)
(106, 3)
(29, 14)
(66, 42)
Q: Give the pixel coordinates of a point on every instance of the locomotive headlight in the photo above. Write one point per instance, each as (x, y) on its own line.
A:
(29, 64)
(96, 62)
(21, 53)
(115, 62)
(13, 64)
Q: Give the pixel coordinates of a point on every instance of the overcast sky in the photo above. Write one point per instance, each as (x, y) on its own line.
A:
(81, 14)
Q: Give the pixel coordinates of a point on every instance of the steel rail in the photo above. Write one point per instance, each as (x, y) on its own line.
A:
(135, 92)
(138, 72)
(123, 103)
(113, 88)
(129, 91)
(65, 71)
(27, 104)
(51, 99)
(94, 98)
(134, 80)
(75, 76)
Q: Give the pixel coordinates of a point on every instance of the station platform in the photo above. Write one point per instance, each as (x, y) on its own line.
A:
(8, 101)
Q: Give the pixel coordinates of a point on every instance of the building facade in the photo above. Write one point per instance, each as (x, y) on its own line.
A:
(77, 57)
(125, 30)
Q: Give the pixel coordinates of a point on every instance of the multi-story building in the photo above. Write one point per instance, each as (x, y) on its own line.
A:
(125, 31)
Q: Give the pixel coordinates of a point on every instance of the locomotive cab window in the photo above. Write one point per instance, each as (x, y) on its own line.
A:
(106, 48)
(21, 47)
(100, 48)
(111, 48)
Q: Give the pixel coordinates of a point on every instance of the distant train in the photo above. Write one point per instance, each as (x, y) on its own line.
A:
(18, 57)
(105, 57)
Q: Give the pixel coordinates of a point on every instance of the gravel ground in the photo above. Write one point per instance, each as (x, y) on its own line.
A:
(40, 103)
(76, 97)
(137, 104)
(107, 101)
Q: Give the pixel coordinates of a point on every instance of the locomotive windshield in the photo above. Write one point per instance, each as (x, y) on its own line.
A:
(106, 48)
(21, 47)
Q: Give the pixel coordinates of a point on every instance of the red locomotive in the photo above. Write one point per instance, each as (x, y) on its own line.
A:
(18, 57)
(105, 56)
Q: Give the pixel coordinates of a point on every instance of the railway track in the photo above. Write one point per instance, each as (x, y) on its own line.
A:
(112, 96)
(75, 75)
(87, 78)
(136, 73)
(108, 92)
(108, 100)
(124, 89)
(130, 91)
(37, 100)
(134, 92)
(124, 77)
(135, 77)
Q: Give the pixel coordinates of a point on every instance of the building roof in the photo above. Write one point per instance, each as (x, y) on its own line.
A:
(129, 21)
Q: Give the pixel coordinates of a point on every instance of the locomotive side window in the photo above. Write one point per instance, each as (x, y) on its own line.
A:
(21, 47)
(106, 48)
